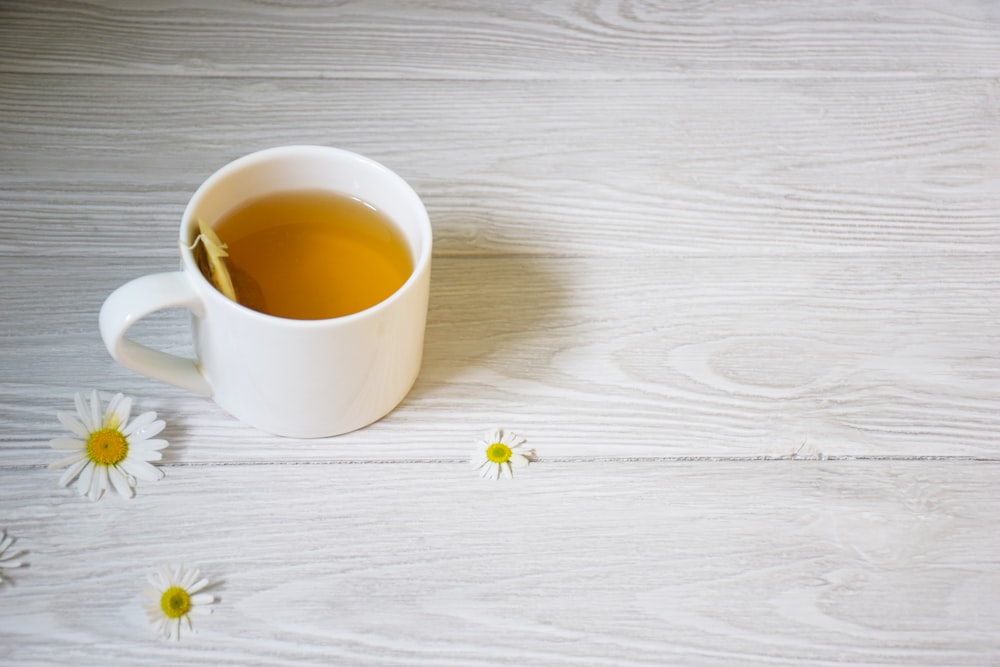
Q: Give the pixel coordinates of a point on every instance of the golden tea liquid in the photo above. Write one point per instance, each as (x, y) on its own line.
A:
(312, 255)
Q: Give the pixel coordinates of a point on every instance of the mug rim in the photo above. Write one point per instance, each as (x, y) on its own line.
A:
(420, 266)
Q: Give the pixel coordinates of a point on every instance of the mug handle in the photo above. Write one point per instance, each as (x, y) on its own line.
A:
(141, 297)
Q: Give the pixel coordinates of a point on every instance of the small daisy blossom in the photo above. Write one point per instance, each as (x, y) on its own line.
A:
(173, 594)
(108, 450)
(496, 452)
(7, 560)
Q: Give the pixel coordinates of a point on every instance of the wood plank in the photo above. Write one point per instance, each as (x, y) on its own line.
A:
(527, 167)
(589, 357)
(480, 40)
(701, 564)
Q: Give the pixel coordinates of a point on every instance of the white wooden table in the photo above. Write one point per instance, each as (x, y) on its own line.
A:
(731, 268)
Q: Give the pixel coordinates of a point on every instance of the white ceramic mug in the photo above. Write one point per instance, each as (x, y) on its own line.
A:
(295, 378)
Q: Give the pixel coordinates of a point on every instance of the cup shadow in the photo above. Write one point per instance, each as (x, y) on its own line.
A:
(488, 313)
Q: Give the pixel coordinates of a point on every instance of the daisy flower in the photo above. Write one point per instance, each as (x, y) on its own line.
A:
(173, 594)
(497, 451)
(7, 560)
(108, 450)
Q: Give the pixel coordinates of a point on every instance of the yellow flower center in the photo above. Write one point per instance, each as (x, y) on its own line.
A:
(498, 452)
(107, 446)
(175, 602)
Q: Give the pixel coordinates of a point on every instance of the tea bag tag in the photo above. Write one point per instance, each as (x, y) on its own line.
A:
(215, 251)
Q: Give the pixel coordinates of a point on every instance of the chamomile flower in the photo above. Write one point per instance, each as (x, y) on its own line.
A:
(108, 450)
(173, 594)
(496, 452)
(7, 560)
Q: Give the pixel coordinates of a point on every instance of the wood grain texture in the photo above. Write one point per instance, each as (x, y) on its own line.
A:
(527, 167)
(769, 563)
(592, 357)
(431, 39)
(731, 268)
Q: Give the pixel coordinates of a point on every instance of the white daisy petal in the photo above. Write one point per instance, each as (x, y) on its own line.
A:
(150, 430)
(144, 448)
(198, 585)
(141, 453)
(83, 482)
(141, 470)
(8, 561)
(118, 412)
(140, 424)
(155, 443)
(519, 460)
(73, 424)
(83, 412)
(105, 477)
(120, 481)
(98, 483)
(147, 456)
(69, 460)
(109, 411)
(66, 443)
(95, 411)
(185, 579)
(91, 490)
(73, 471)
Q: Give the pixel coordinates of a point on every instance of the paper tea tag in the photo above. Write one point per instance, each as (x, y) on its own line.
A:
(213, 252)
